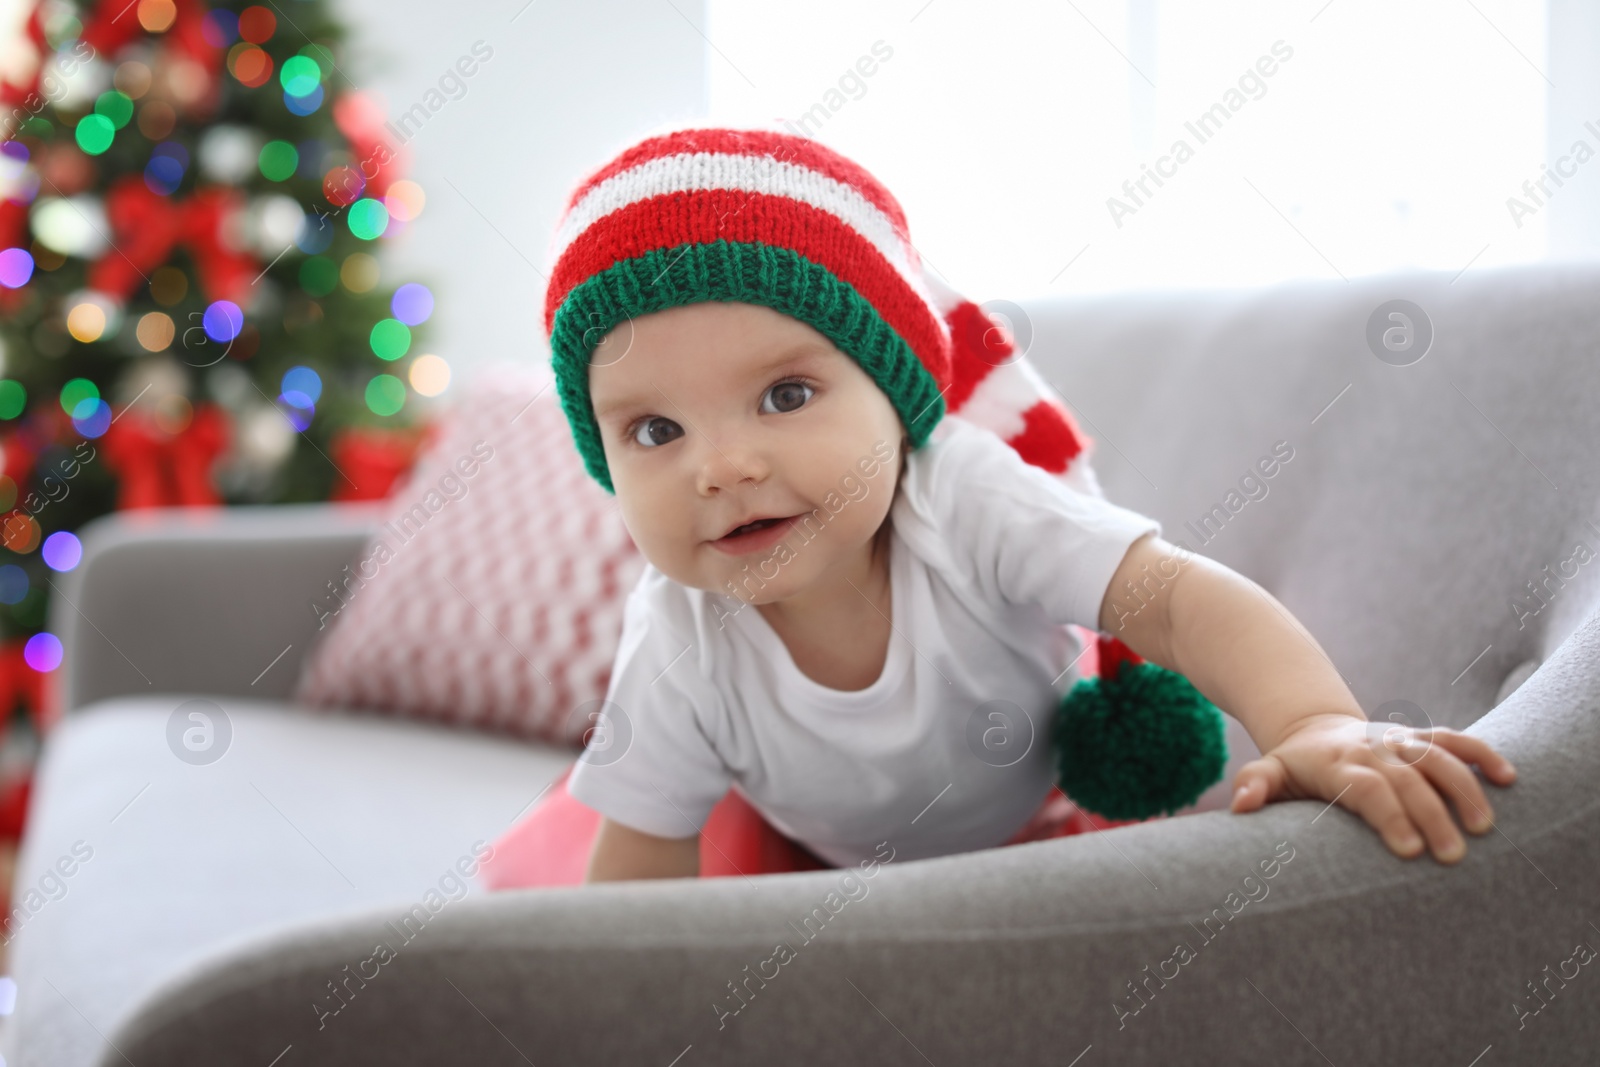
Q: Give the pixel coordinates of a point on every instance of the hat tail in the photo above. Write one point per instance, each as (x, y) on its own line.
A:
(994, 385)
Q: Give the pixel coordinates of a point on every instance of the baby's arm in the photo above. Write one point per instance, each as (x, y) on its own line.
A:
(1241, 648)
(621, 852)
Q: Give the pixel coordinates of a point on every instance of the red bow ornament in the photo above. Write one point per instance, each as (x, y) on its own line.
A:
(147, 226)
(372, 460)
(158, 469)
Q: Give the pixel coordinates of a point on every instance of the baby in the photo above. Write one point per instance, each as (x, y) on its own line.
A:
(838, 579)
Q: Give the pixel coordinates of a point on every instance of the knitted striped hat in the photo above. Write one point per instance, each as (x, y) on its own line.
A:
(763, 216)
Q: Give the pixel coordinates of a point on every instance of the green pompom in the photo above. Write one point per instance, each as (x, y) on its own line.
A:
(1142, 743)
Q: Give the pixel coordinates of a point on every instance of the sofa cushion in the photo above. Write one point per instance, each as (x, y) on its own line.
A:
(302, 816)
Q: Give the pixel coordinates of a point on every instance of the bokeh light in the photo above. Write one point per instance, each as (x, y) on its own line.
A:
(86, 322)
(300, 75)
(386, 394)
(43, 650)
(222, 320)
(303, 105)
(16, 267)
(156, 119)
(94, 134)
(249, 64)
(91, 418)
(220, 29)
(257, 24)
(368, 219)
(19, 532)
(133, 78)
(155, 331)
(390, 339)
(229, 153)
(163, 175)
(187, 79)
(278, 160)
(13, 398)
(276, 221)
(343, 185)
(117, 107)
(13, 584)
(156, 16)
(405, 200)
(302, 380)
(429, 375)
(412, 304)
(165, 170)
(359, 272)
(76, 392)
(72, 226)
(61, 551)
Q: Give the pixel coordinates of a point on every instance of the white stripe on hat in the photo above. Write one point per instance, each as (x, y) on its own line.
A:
(700, 171)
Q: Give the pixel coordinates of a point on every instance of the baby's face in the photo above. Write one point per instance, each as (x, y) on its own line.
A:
(714, 414)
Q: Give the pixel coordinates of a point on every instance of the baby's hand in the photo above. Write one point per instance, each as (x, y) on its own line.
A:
(1392, 776)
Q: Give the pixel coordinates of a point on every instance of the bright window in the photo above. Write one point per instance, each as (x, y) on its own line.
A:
(1386, 136)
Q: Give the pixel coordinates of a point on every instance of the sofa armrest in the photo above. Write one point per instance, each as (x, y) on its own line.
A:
(200, 600)
(1289, 935)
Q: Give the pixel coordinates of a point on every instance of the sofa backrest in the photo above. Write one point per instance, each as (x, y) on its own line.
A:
(1433, 522)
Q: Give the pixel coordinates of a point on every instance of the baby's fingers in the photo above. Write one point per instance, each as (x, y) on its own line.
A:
(1426, 808)
(1455, 778)
(1372, 796)
(1257, 782)
(1474, 750)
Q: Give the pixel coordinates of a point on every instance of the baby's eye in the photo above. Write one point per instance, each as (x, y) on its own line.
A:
(656, 431)
(789, 396)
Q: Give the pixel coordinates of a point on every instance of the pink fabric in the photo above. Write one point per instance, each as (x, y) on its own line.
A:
(550, 845)
(492, 599)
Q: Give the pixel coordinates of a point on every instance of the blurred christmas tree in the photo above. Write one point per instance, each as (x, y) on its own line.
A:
(191, 196)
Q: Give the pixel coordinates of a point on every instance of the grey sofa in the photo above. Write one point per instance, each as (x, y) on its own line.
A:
(1425, 501)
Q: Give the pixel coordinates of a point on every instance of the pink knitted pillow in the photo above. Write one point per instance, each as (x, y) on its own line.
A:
(492, 593)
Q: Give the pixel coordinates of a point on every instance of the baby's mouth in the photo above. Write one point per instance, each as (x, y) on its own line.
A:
(751, 527)
(755, 534)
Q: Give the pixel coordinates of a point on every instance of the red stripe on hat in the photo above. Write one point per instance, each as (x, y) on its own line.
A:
(977, 346)
(787, 148)
(732, 215)
(1049, 439)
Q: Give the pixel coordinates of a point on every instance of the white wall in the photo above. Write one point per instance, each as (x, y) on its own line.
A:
(1391, 138)
(569, 83)
(1574, 106)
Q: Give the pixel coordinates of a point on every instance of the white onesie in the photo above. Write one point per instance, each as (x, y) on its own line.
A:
(949, 750)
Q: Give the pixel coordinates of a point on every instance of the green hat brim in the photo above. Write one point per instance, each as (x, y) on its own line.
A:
(744, 272)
